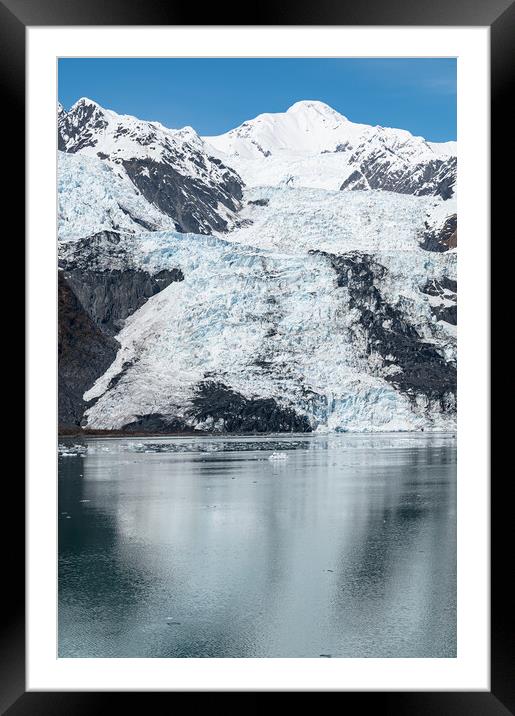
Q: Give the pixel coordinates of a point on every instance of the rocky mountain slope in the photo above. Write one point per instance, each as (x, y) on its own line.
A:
(84, 353)
(172, 170)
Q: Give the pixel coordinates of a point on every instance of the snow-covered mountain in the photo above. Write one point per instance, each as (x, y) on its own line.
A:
(312, 308)
(313, 145)
(173, 170)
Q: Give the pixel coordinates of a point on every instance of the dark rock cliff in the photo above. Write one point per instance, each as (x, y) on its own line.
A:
(444, 290)
(109, 297)
(156, 423)
(238, 414)
(191, 203)
(224, 410)
(84, 353)
(443, 238)
(434, 178)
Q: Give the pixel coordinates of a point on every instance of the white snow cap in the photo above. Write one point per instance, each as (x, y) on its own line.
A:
(84, 102)
(315, 106)
(307, 127)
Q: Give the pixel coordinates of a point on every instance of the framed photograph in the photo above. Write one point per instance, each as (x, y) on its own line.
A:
(258, 452)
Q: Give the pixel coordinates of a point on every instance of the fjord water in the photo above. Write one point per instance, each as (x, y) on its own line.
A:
(206, 547)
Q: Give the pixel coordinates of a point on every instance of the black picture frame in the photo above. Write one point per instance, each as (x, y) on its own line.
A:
(499, 15)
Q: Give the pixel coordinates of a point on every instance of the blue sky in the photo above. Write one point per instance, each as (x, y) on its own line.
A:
(215, 95)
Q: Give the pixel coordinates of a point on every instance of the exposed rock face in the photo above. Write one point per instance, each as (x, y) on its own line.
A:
(259, 202)
(218, 408)
(193, 205)
(443, 299)
(420, 368)
(111, 296)
(156, 423)
(355, 182)
(436, 177)
(225, 410)
(442, 238)
(96, 252)
(84, 353)
(77, 130)
(449, 314)
(439, 288)
(102, 273)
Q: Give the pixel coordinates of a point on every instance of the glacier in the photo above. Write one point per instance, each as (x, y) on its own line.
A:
(94, 196)
(263, 315)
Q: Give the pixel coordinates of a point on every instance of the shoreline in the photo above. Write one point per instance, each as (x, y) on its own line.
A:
(199, 433)
(70, 433)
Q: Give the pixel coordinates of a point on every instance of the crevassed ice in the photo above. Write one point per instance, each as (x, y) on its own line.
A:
(260, 314)
(93, 196)
(297, 220)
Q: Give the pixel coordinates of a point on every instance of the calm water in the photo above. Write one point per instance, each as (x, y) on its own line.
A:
(204, 547)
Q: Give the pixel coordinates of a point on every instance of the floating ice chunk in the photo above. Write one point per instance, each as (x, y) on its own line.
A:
(71, 450)
(278, 456)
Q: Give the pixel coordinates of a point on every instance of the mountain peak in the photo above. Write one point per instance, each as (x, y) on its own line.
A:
(308, 126)
(313, 106)
(85, 102)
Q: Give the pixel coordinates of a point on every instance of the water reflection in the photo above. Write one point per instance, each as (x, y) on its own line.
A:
(205, 547)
